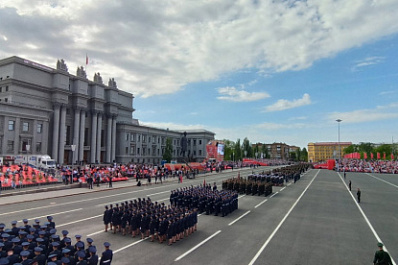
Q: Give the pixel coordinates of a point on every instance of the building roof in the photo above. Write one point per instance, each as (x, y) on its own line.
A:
(331, 143)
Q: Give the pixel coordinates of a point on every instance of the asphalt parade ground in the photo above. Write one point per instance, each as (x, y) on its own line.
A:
(316, 220)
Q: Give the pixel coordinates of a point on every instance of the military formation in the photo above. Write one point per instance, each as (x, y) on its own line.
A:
(36, 244)
(144, 218)
(261, 184)
(206, 199)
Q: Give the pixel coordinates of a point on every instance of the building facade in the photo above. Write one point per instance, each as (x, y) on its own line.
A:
(46, 110)
(322, 151)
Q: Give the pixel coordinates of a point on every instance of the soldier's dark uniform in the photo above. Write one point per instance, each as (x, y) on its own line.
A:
(107, 255)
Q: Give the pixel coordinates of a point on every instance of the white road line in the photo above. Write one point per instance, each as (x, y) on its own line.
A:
(273, 195)
(158, 193)
(241, 196)
(289, 184)
(74, 210)
(197, 246)
(163, 200)
(240, 217)
(81, 220)
(283, 188)
(366, 218)
(74, 202)
(389, 183)
(96, 233)
(132, 244)
(281, 222)
(261, 203)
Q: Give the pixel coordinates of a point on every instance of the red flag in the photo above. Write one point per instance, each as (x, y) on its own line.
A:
(371, 155)
(384, 155)
(365, 155)
(378, 155)
(392, 156)
(86, 59)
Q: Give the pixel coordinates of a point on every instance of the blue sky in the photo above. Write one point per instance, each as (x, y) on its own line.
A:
(272, 71)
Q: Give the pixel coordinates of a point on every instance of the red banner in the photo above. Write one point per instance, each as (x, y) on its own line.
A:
(384, 156)
(378, 155)
(365, 155)
(392, 156)
(371, 155)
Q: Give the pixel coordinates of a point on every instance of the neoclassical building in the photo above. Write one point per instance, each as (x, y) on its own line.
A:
(46, 110)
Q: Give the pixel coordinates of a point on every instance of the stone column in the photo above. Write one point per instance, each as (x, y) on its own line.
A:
(17, 131)
(113, 155)
(62, 136)
(55, 133)
(109, 140)
(99, 135)
(93, 144)
(81, 138)
(76, 131)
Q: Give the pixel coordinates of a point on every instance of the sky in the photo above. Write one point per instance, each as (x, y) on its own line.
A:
(271, 71)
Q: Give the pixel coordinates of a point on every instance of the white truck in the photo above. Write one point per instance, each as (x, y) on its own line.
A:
(42, 161)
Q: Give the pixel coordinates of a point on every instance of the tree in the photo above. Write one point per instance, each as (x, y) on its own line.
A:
(238, 151)
(298, 154)
(168, 151)
(228, 150)
(246, 146)
(304, 154)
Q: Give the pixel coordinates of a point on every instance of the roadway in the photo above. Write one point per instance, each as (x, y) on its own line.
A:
(313, 221)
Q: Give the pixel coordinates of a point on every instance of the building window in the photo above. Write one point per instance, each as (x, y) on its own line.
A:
(25, 126)
(200, 142)
(11, 125)
(6, 88)
(143, 138)
(6, 100)
(138, 151)
(127, 136)
(159, 140)
(149, 139)
(39, 128)
(38, 147)
(139, 138)
(194, 152)
(10, 146)
(194, 141)
(200, 152)
(127, 150)
(132, 137)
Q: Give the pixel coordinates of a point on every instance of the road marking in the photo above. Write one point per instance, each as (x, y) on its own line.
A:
(281, 222)
(81, 220)
(273, 195)
(283, 188)
(96, 233)
(163, 200)
(74, 210)
(261, 203)
(389, 183)
(289, 184)
(158, 193)
(240, 217)
(132, 244)
(366, 218)
(197, 246)
(241, 196)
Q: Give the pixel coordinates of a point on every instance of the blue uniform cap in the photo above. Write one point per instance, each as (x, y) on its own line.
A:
(67, 240)
(380, 244)
(81, 254)
(43, 227)
(107, 244)
(92, 249)
(52, 255)
(65, 232)
(54, 236)
(2, 226)
(4, 261)
(37, 221)
(42, 232)
(1, 245)
(49, 217)
(65, 250)
(38, 249)
(39, 239)
(90, 240)
(52, 263)
(79, 244)
(14, 222)
(22, 233)
(53, 231)
(5, 235)
(65, 260)
(25, 220)
(15, 240)
(24, 253)
(32, 229)
(25, 244)
(78, 236)
(30, 237)
(55, 244)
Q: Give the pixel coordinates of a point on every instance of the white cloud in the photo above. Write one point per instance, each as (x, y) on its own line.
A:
(235, 95)
(383, 93)
(284, 104)
(366, 115)
(367, 62)
(157, 47)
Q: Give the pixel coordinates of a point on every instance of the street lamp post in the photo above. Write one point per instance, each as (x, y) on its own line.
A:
(338, 126)
(27, 154)
(73, 148)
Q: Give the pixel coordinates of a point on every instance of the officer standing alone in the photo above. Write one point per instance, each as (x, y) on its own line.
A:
(107, 255)
(381, 257)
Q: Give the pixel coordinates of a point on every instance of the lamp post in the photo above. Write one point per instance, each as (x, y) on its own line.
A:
(73, 148)
(27, 153)
(245, 152)
(338, 126)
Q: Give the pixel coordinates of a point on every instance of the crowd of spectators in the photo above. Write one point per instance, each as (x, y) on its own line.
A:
(368, 166)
